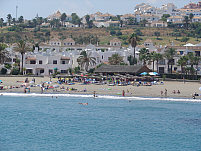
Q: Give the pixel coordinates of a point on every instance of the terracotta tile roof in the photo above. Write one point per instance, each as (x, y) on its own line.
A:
(31, 58)
(115, 40)
(68, 40)
(122, 69)
(65, 58)
(148, 41)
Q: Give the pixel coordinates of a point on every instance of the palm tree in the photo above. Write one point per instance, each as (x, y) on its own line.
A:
(14, 21)
(21, 19)
(169, 55)
(158, 57)
(85, 60)
(133, 41)
(63, 18)
(4, 55)
(153, 58)
(191, 17)
(186, 21)
(115, 59)
(144, 55)
(22, 47)
(194, 60)
(9, 17)
(182, 62)
(1, 22)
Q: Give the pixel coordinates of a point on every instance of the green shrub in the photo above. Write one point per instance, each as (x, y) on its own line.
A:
(15, 71)
(164, 76)
(3, 71)
(7, 66)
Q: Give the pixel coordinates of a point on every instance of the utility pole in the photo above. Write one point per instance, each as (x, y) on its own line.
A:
(16, 11)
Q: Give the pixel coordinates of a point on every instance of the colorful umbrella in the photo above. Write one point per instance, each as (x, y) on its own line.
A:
(153, 73)
(143, 73)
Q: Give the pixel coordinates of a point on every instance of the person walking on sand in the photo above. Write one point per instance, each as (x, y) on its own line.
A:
(161, 93)
(41, 90)
(123, 93)
(94, 94)
(165, 92)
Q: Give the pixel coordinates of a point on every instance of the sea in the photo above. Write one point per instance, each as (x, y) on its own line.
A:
(56, 122)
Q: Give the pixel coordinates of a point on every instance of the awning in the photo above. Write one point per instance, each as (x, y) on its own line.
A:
(31, 59)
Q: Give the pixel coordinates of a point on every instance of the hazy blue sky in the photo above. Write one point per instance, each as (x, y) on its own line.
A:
(29, 8)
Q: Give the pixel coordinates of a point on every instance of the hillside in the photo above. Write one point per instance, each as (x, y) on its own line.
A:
(94, 35)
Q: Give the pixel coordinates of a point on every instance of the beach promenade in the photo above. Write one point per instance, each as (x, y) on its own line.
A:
(13, 84)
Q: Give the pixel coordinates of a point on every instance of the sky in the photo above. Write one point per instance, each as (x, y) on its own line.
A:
(29, 8)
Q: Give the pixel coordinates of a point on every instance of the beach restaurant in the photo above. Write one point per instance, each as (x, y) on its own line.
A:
(121, 69)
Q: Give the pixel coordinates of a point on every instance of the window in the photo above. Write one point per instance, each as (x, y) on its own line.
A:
(32, 62)
(161, 62)
(161, 69)
(40, 62)
(54, 61)
(63, 71)
(63, 62)
(42, 71)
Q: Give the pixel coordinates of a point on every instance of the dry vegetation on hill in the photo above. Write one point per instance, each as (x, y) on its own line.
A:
(94, 35)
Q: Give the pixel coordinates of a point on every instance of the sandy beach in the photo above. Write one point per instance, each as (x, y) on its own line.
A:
(186, 89)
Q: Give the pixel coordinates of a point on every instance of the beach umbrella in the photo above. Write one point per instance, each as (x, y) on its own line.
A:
(143, 73)
(56, 86)
(153, 73)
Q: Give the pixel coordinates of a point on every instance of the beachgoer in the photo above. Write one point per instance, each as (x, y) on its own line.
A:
(174, 91)
(83, 103)
(193, 95)
(25, 90)
(161, 93)
(94, 94)
(178, 92)
(165, 92)
(123, 93)
(41, 90)
(34, 80)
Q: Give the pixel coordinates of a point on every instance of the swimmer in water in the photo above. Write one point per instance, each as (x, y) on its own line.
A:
(83, 103)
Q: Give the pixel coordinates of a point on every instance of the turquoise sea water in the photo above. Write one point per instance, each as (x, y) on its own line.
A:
(62, 124)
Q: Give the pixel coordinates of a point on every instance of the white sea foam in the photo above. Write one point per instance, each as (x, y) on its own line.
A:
(99, 96)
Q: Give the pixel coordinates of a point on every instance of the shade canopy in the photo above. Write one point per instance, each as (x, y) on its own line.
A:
(153, 73)
(189, 45)
(144, 73)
